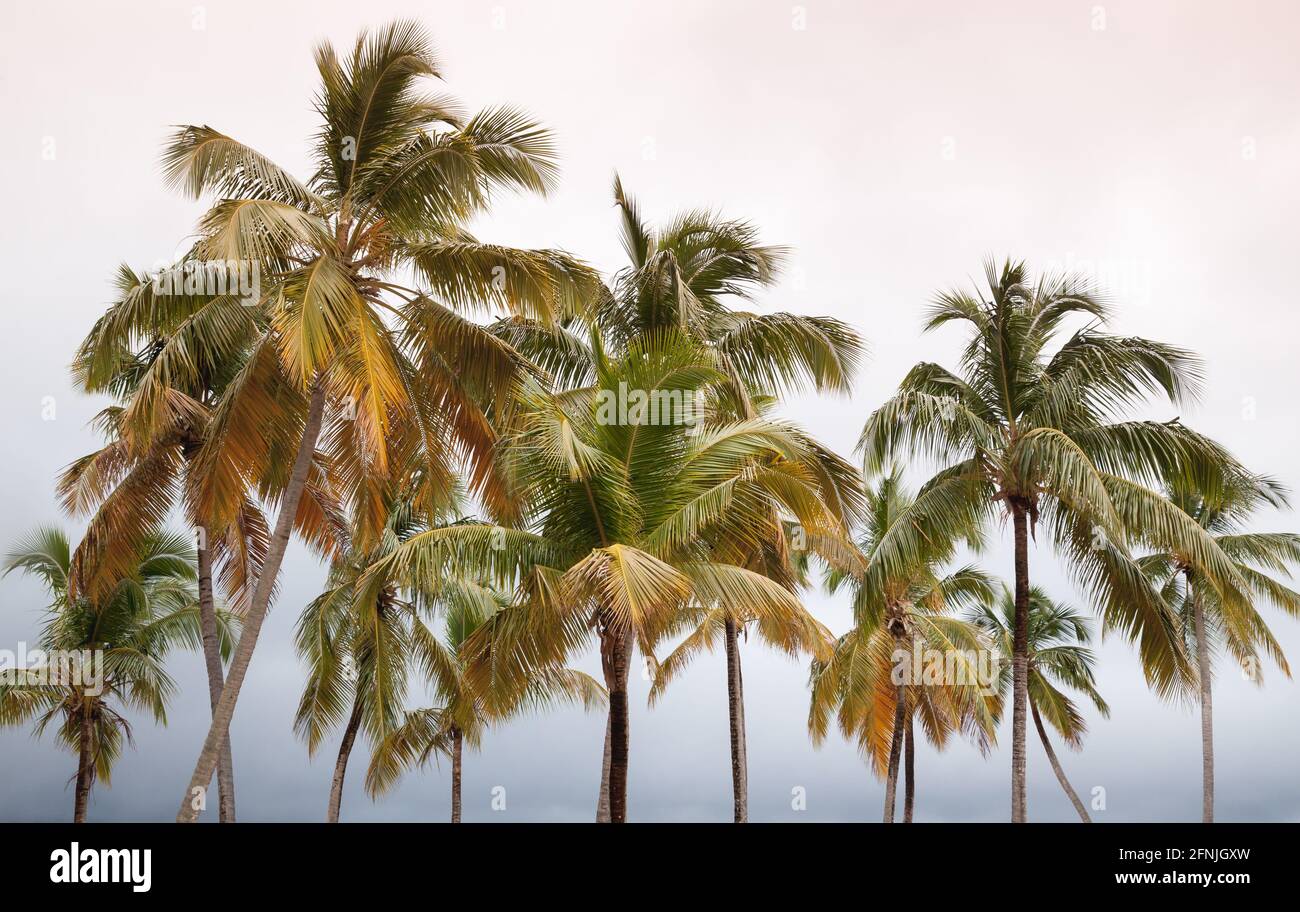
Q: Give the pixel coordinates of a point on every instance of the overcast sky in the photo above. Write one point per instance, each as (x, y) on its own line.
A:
(893, 146)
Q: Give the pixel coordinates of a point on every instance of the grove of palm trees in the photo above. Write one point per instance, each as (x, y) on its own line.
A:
(418, 520)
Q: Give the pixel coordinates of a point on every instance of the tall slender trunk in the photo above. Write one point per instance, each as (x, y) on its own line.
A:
(212, 662)
(736, 714)
(1020, 667)
(602, 802)
(909, 769)
(895, 749)
(217, 732)
(1056, 767)
(1207, 706)
(615, 650)
(341, 764)
(85, 764)
(457, 740)
(744, 737)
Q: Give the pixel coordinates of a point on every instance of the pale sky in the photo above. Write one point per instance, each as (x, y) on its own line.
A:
(893, 146)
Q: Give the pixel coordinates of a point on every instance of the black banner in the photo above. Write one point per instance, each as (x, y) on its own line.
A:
(923, 862)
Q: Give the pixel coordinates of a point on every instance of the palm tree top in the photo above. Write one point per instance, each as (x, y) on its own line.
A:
(1261, 560)
(1059, 652)
(1033, 423)
(686, 273)
(1228, 510)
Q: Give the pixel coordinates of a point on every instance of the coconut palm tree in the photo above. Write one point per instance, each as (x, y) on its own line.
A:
(104, 655)
(1210, 622)
(906, 656)
(690, 276)
(1028, 429)
(126, 491)
(399, 173)
(357, 653)
(463, 716)
(629, 497)
(130, 484)
(359, 650)
(1059, 657)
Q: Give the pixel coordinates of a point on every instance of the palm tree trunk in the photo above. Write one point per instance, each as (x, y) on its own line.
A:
(85, 765)
(220, 727)
(1056, 767)
(602, 802)
(736, 714)
(744, 737)
(1020, 667)
(212, 661)
(1207, 707)
(909, 770)
(615, 649)
(341, 764)
(895, 749)
(456, 744)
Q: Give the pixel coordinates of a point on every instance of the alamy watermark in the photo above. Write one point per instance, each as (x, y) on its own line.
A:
(77, 668)
(626, 406)
(951, 667)
(236, 278)
(75, 865)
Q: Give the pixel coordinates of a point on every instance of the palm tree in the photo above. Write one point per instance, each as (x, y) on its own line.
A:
(906, 656)
(463, 715)
(358, 652)
(625, 516)
(130, 484)
(399, 174)
(684, 276)
(104, 654)
(127, 492)
(1059, 657)
(359, 649)
(1211, 622)
(1025, 432)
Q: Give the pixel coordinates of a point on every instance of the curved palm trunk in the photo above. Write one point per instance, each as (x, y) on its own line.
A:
(457, 739)
(1207, 708)
(217, 732)
(341, 764)
(85, 766)
(909, 769)
(1020, 667)
(602, 802)
(216, 681)
(615, 653)
(1056, 767)
(736, 714)
(895, 749)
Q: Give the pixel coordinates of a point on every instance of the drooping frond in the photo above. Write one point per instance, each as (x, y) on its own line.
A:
(200, 160)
